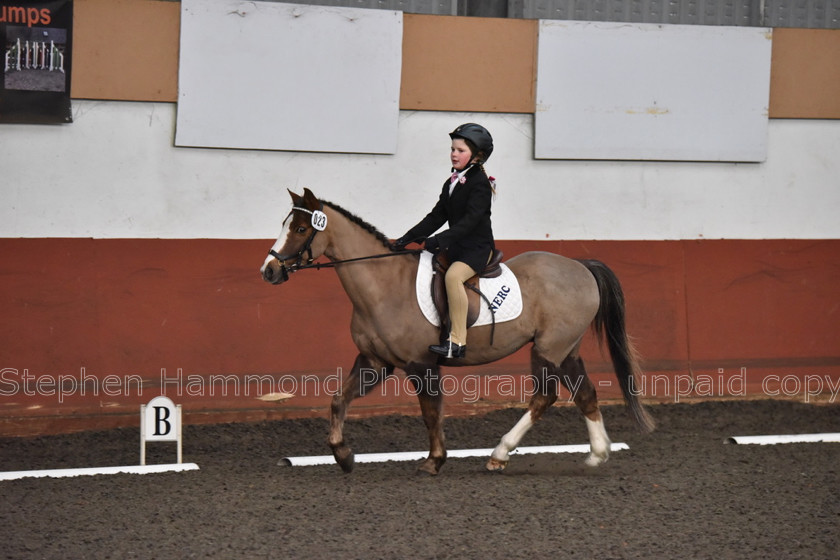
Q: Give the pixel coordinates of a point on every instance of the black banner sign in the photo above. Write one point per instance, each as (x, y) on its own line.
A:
(36, 39)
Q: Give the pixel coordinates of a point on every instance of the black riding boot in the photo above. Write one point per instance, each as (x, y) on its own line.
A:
(449, 350)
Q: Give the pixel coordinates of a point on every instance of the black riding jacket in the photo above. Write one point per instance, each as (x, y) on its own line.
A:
(469, 238)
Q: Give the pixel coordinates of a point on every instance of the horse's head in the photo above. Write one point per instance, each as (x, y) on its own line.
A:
(297, 244)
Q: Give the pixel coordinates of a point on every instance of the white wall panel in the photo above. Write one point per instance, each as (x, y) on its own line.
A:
(267, 75)
(624, 91)
(114, 173)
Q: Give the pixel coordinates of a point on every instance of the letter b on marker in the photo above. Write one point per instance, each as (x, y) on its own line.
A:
(161, 420)
(162, 425)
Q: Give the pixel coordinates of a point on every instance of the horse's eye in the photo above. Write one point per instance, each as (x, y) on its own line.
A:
(301, 229)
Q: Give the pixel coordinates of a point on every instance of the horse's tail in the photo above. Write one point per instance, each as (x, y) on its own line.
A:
(609, 324)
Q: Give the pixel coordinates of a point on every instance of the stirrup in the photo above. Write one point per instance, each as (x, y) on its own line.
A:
(449, 350)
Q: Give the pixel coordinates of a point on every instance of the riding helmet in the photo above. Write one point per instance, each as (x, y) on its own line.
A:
(476, 134)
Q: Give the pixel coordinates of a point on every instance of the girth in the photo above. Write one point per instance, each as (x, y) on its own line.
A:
(474, 296)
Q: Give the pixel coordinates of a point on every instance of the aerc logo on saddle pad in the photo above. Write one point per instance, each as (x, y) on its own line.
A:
(499, 299)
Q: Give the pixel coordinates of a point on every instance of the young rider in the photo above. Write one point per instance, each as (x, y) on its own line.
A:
(464, 203)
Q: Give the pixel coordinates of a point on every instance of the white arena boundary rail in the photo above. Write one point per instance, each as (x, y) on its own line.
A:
(133, 469)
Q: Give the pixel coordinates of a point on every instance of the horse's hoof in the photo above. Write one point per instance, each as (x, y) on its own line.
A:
(345, 459)
(596, 460)
(430, 466)
(495, 465)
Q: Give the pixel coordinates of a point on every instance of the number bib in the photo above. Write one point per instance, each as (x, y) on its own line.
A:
(319, 220)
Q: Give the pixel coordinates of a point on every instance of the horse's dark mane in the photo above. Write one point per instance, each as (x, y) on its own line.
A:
(361, 223)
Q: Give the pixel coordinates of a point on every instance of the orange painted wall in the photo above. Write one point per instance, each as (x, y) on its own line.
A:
(128, 50)
(805, 74)
(159, 309)
(450, 65)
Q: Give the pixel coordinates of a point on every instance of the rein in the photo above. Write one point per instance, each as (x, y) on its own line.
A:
(333, 264)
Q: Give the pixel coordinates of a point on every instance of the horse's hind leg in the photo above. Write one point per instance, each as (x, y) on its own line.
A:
(365, 375)
(544, 376)
(574, 378)
(426, 381)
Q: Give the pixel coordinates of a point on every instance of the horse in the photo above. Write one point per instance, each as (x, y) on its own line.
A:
(562, 298)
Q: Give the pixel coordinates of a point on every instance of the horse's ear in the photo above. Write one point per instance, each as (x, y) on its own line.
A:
(309, 200)
(296, 198)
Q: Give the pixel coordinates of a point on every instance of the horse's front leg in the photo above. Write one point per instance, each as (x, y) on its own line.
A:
(426, 381)
(365, 375)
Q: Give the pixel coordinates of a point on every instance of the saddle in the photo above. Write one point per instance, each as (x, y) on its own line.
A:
(474, 296)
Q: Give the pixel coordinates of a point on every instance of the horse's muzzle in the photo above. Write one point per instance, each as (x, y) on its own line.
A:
(275, 272)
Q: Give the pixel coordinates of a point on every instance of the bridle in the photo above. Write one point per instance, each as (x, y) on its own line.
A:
(319, 223)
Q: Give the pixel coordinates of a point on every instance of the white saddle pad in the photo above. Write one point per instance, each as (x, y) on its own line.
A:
(503, 293)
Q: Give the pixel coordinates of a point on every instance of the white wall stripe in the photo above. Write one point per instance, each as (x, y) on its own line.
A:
(114, 173)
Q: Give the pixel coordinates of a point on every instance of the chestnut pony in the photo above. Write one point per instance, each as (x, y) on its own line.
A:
(562, 298)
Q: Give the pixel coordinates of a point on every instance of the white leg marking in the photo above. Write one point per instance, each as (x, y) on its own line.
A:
(511, 439)
(599, 441)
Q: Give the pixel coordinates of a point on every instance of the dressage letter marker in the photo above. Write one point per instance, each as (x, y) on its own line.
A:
(160, 420)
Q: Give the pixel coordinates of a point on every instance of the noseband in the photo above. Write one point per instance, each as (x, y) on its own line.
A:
(318, 223)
